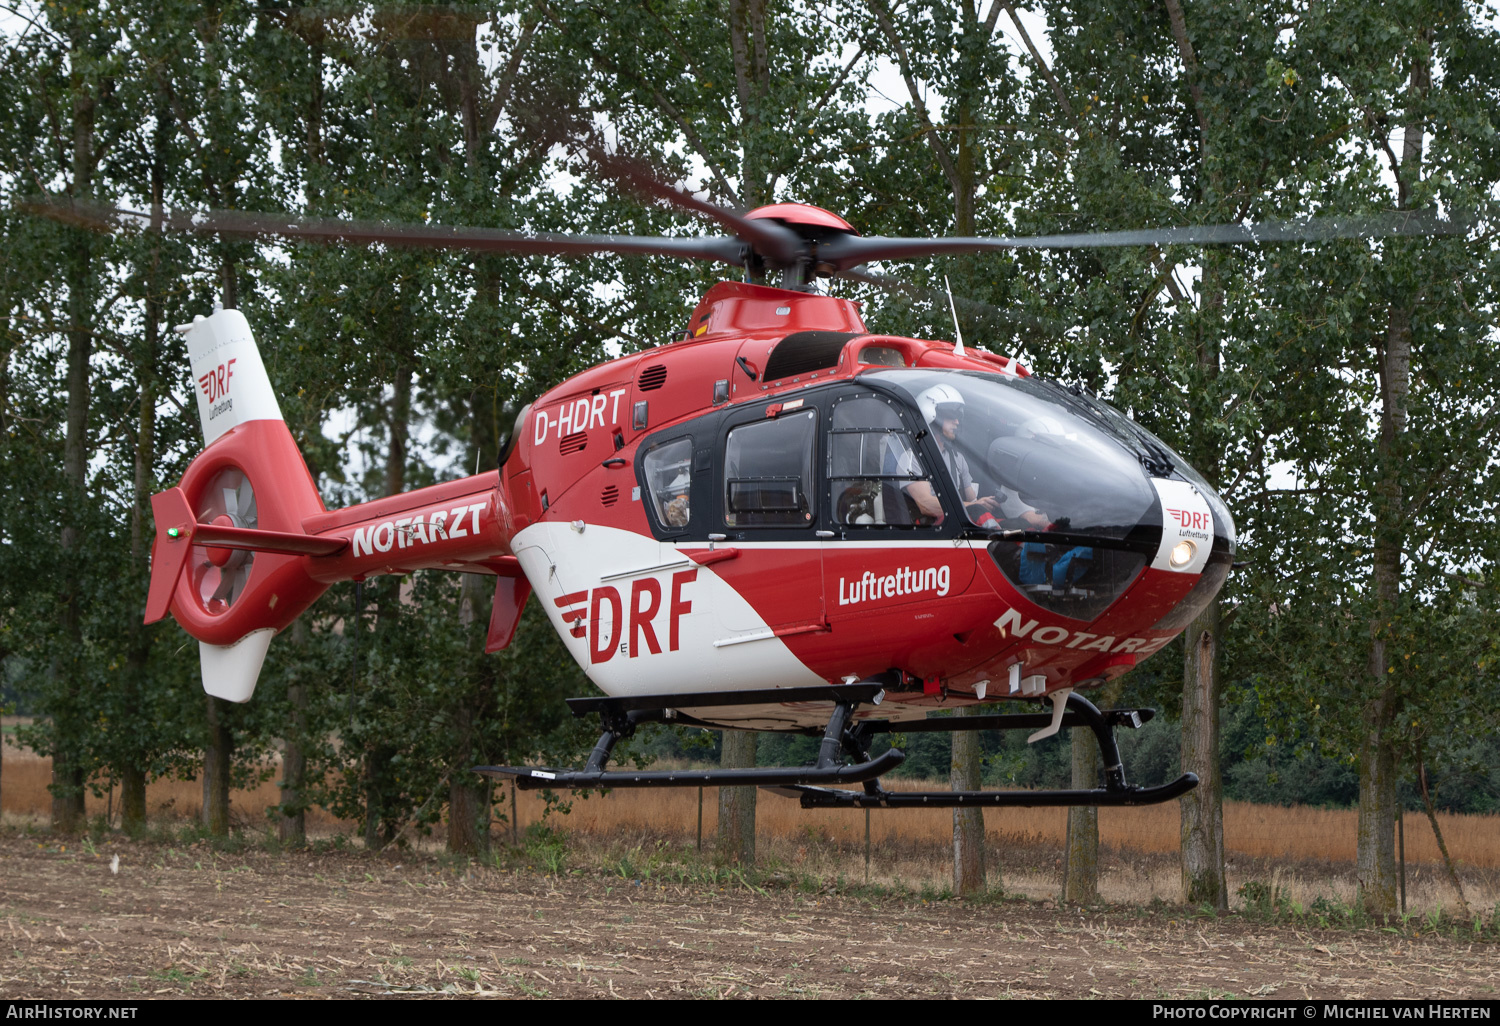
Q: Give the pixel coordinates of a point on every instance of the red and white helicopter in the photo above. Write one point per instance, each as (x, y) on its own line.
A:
(779, 521)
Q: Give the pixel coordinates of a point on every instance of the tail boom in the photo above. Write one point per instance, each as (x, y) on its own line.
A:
(459, 525)
(244, 544)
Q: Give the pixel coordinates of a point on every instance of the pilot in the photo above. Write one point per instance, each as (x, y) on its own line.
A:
(942, 408)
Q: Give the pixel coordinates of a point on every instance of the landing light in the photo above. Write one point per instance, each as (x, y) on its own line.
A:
(1182, 554)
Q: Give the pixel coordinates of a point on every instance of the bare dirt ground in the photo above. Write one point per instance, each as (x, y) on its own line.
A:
(181, 920)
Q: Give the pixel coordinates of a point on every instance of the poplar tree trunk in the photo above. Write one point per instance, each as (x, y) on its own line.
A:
(216, 762)
(131, 771)
(747, 44)
(132, 799)
(1081, 851)
(1203, 879)
(965, 765)
(968, 823)
(67, 755)
(377, 769)
(1375, 857)
(469, 794)
(1202, 852)
(219, 754)
(291, 824)
(737, 804)
(137, 676)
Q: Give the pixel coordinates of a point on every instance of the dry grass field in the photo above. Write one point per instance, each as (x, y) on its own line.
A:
(129, 920)
(1304, 852)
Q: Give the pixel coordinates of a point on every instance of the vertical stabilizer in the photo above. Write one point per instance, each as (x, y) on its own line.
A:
(231, 381)
(249, 480)
(230, 671)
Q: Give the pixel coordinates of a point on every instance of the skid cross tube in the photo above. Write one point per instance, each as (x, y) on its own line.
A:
(1132, 718)
(620, 721)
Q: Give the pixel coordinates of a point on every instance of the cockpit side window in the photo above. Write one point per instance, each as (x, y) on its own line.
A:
(873, 464)
(768, 476)
(668, 473)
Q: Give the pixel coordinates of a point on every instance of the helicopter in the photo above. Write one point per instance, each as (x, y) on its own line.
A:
(777, 521)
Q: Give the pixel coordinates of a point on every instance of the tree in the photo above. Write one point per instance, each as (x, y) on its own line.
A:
(63, 74)
(1390, 455)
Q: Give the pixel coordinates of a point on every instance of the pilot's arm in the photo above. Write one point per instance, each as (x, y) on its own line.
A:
(968, 489)
(927, 501)
(920, 491)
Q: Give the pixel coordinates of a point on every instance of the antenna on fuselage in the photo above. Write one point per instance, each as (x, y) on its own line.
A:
(958, 346)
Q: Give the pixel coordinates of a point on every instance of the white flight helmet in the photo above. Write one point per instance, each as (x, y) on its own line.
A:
(940, 399)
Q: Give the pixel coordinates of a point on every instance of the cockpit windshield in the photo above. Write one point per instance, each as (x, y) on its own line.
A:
(1023, 454)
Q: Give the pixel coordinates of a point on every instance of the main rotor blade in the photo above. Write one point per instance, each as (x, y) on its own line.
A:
(846, 251)
(422, 236)
(777, 244)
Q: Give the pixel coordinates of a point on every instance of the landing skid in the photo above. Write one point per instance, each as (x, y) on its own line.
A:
(879, 798)
(1080, 713)
(621, 716)
(844, 736)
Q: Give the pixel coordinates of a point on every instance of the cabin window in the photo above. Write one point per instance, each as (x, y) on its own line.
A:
(769, 472)
(882, 356)
(872, 461)
(669, 481)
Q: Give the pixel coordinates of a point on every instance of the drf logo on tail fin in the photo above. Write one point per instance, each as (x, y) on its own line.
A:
(216, 382)
(602, 616)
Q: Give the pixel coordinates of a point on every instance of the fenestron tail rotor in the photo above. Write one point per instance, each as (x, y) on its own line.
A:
(220, 575)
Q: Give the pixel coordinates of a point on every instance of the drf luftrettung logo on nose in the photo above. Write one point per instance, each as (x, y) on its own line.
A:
(1192, 520)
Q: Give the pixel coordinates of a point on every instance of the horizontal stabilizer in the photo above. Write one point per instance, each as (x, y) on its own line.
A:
(286, 542)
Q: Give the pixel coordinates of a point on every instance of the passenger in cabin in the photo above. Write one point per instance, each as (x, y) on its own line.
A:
(1042, 565)
(1014, 513)
(677, 512)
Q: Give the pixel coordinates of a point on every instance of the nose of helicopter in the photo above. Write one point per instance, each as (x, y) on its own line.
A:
(1078, 500)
